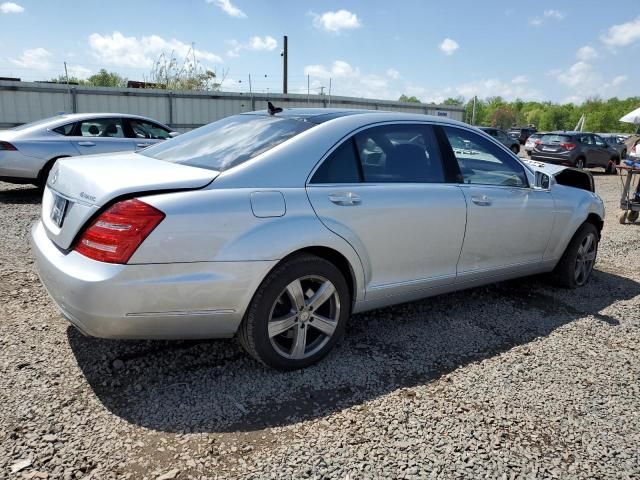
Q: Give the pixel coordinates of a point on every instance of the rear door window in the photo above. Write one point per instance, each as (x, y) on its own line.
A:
(342, 166)
(401, 153)
(102, 127)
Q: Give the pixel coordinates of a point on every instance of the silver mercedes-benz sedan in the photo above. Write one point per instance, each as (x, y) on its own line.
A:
(277, 226)
(28, 152)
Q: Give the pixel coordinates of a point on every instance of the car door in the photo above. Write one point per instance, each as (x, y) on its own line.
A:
(145, 133)
(101, 135)
(601, 148)
(388, 193)
(508, 223)
(503, 138)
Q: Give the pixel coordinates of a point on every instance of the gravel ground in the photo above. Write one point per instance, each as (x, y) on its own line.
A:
(512, 380)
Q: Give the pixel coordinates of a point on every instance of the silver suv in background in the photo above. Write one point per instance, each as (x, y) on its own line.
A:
(28, 152)
(576, 149)
(500, 135)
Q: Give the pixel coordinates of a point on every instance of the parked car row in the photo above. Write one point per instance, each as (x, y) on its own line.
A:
(28, 152)
(275, 225)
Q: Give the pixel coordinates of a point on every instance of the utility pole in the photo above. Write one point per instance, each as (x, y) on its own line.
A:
(285, 54)
(321, 89)
(473, 112)
(329, 91)
(66, 74)
(308, 90)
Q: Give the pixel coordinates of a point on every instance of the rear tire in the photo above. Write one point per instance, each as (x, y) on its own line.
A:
(575, 267)
(284, 328)
(580, 163)
(632, 216)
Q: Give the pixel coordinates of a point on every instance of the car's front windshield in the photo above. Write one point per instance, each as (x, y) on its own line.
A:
(227, 142)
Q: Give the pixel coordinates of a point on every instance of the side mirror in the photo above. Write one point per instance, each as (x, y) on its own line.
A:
(543, 181)
(174, 134)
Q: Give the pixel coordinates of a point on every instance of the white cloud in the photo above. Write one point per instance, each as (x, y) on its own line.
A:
(585, 81)
(449, 46)
(556, 14)
(116, 49)
(393, 73)
(519, 80)
(586, 53)
(623, 34)
(266, 43)
(619, 80)
(348, 80)
(78, 71)
(229, 8)
(336, 21)
(10, 7)
(35, 58)
(547, 14)
(256, 44)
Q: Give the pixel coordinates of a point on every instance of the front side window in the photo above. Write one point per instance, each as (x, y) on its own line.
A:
(483, 163)
(227, 142)
(143, 129)
(599, 141)
(102, 127)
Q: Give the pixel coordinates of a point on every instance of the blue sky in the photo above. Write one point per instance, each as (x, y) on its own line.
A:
(544, 50)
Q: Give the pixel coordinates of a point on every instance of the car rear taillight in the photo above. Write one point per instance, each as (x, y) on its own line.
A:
(568, 146)
(117, 233)
(7, 146)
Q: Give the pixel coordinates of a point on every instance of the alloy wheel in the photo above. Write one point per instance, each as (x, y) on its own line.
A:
(585, 259)
(304, 317)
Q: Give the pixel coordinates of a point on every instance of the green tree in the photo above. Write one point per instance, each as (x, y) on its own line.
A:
(107, 79)
(404, 98)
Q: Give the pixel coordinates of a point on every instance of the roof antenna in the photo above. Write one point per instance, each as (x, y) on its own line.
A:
(273, 110)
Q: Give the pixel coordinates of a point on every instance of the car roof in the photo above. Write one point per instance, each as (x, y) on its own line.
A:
(322, 115)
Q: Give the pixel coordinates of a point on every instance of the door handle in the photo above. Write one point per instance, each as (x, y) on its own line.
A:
(144, 145)
(345, 198)
(87, 144)
(481, 200)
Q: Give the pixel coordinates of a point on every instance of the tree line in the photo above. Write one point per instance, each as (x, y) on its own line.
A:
(601, 115)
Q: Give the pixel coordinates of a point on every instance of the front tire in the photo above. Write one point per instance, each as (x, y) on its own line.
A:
(611, 166)
(576, 264)
(515, 149)
(580, 163)
(298, 313)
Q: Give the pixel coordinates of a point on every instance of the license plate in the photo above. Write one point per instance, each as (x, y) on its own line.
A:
(548, 149)
(58, 211)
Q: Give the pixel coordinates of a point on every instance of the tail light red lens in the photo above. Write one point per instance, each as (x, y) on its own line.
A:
(117, 233)
(7, 146)
(568, 146)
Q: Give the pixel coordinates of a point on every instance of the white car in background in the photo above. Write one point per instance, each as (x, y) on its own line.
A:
(531, 142)
(28, 152)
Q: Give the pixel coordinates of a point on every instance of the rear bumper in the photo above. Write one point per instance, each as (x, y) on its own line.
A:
(151, 301)
(16, 167)
(561, 159)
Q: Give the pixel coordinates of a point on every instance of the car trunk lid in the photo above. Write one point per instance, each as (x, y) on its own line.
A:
(79, 187)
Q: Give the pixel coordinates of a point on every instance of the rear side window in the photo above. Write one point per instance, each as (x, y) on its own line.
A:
(227, 142)
(65, 130)
(483, 163)
(342, 166)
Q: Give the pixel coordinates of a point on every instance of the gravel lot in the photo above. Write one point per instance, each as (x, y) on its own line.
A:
(512, 380)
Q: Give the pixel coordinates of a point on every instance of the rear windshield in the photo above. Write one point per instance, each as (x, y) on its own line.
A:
(552, 138)
(227, 142)
(44, 121)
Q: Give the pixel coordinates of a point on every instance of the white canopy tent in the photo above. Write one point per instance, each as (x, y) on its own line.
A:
(632, 117)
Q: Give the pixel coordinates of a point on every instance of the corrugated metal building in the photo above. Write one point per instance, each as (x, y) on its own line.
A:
(22, 102)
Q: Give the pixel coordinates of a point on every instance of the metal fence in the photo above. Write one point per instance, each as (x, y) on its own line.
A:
(22, 102)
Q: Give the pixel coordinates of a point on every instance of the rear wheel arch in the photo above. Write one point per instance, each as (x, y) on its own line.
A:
(44, 171)
(333, 256)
